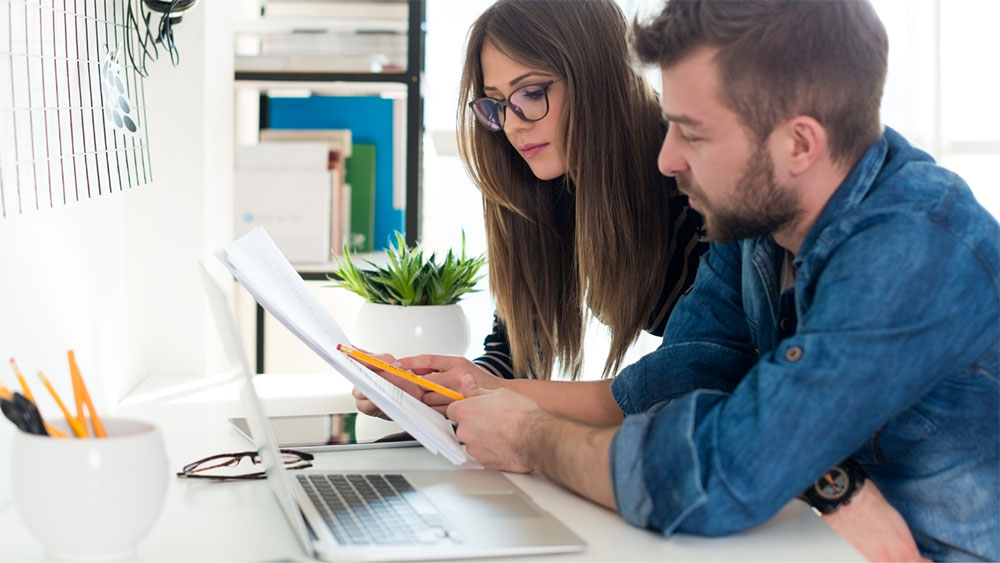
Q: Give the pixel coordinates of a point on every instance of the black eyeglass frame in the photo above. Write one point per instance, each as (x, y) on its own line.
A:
(191, 470)
(504, 104)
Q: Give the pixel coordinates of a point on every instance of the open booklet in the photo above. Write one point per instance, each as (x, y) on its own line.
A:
(255, 262)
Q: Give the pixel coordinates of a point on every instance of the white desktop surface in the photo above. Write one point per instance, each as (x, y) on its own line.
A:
(241, 521)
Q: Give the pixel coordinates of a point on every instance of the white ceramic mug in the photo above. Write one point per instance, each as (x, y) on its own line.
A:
(93, 498)
(7, 430)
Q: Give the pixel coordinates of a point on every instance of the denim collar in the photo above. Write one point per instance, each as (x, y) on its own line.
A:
(855, 187)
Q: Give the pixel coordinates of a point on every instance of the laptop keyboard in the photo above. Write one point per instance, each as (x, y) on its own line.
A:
(374, 509)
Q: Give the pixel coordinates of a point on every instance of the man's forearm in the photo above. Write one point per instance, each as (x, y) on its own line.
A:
(574, 455)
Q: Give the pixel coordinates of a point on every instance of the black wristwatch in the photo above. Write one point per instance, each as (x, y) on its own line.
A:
(835, 488)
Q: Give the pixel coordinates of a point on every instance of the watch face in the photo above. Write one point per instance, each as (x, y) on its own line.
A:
(833, 485)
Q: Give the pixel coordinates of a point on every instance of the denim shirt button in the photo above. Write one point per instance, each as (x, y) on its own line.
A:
(793, 354)
(785, 323)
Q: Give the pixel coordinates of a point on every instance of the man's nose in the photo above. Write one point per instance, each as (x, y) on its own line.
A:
(670, 162)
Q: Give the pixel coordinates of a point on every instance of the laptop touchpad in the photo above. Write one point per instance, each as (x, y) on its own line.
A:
(500, 504)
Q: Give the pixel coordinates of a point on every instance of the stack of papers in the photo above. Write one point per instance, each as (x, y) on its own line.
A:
(255, 262)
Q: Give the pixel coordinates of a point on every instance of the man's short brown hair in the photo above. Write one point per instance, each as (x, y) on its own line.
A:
(826, 59)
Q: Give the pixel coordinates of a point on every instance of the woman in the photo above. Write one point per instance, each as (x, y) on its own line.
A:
(561, 136)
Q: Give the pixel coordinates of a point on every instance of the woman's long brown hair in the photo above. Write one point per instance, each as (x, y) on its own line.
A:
(597, 238)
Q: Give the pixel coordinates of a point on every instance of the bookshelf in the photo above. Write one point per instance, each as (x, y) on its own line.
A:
(344, 75)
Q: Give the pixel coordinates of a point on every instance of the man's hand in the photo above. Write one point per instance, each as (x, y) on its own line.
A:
(508, 431)
(874, 527)
(497, 426)
(365, 405)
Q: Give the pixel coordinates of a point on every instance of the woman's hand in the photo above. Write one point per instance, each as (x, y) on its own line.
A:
(447, 371)
(365, 405)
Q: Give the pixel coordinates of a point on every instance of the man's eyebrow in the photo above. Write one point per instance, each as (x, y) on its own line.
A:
(683, 120)
(518, 79)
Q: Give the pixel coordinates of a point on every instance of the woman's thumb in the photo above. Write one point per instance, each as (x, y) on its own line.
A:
(469, 386)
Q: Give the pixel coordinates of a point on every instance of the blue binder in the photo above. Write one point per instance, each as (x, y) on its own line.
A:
(370, 120)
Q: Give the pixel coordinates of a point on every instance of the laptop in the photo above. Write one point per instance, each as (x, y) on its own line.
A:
(395, 514)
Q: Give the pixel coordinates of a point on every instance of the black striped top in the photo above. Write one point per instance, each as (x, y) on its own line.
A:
(686, 247)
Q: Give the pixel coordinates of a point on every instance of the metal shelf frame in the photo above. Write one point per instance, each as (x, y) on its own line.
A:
(414, 129)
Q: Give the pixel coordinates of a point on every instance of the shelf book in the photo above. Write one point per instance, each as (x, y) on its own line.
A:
(372, 120)
(285, 187)
(361, 174)
(339, 147)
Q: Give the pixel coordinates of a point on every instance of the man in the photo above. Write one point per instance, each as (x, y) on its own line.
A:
(850, 294)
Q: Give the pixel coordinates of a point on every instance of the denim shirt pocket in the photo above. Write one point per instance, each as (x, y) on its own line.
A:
(898, 438)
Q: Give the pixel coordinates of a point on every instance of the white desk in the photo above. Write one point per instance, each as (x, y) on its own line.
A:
(204, 521)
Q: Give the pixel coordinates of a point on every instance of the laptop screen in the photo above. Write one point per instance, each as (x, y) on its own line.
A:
(260, 431)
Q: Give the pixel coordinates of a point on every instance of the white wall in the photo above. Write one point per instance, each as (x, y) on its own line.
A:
(114, 277)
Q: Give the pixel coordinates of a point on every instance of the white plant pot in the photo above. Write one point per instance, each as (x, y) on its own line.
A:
(409, 331)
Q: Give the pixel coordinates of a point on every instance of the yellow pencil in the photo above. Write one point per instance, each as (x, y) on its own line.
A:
(82, 396)
(81, 420)
(53, 431)
(73, 423)
(6, 394)
(20, 379)
(365, 358)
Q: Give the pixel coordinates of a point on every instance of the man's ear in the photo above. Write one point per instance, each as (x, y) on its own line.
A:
(801, 141)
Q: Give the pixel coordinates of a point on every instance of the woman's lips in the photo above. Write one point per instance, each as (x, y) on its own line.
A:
(531, 150)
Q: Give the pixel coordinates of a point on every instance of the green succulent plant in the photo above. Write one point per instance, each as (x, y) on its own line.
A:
(408, 279)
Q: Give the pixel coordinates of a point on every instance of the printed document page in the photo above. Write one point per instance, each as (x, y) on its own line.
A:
(255, 262)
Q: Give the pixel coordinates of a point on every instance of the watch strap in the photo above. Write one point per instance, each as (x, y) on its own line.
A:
(835, 488)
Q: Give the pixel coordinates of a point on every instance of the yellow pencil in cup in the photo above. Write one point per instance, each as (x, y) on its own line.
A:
(53, 431)
(74, 424)
(20, 379)
(360, 356)
(83, 398)
(81, 420)
(7, 395)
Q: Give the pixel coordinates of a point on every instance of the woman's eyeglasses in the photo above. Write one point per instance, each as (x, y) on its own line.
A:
(230, 467)
(530, 103)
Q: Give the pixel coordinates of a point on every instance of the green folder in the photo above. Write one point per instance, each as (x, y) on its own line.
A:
(361, 177)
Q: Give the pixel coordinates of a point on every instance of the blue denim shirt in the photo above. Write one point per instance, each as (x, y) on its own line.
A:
(890, 355)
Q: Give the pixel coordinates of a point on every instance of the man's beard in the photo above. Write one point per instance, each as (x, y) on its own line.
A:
(762, 207)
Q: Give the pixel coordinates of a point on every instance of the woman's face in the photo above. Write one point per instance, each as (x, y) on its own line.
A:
(538, 142)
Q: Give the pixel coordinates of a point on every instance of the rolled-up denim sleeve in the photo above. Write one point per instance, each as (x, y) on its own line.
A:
(630, 471)
(661, 471)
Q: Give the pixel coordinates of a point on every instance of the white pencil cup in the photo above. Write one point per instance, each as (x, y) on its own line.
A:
(90, 499)
(7, 430)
